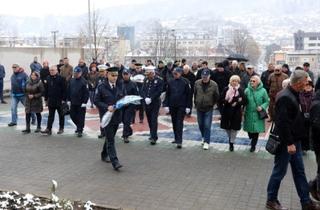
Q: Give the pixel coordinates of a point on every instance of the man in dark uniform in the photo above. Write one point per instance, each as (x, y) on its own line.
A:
(107, 94)
(151, 91)
(178, 101)
(101, 78)
(55, 95)
(128, 112)
(78, 95)
(139, 71)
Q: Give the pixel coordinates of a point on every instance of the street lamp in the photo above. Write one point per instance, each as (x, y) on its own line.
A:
(54, 38)
(175, 43)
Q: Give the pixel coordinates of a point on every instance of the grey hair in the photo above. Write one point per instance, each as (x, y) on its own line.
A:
(257, 78)
(297, 76)
(54, 67)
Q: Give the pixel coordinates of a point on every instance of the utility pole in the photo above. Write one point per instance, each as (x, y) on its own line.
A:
(89, 20)
(54, 38)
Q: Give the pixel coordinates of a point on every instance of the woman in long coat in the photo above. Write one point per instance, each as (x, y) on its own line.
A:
(33, 103)
(232, 101)
(257, 99)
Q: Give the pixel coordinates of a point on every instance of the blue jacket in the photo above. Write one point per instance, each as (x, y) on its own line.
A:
(78, 92)
(178, 93)
(35, 66)
(18, 83)
(2, 72)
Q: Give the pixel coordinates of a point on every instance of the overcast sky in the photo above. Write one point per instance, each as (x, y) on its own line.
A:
(39, 8)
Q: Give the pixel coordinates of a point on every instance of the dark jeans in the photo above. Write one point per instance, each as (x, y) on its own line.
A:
(77, 115)
(28, 118)
(205, 122)
(127, 118)
(177, 116)
(254, 138)
(109, 148)
(91, 96)
(52, 111)
(1, 90)
(152, 112)
(281, 162)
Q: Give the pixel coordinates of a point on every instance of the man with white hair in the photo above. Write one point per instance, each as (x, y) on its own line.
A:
(289, 126)
(151, 90)
(187, 74)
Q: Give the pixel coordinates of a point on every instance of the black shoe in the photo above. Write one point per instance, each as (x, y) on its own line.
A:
(311, 206)
(125, 140)
(47, 131)
(107, 159)
(153, 142)
(179, 146)
(38, 130)
(231, 147)
(26, 131)
(76, 131)
(12, 124)
(252, 149)
(275, 205)
(3, 102)
(313, 190)
(117, 166)
(101, 136)
(60, 131)
(173, 142)
(79, 134)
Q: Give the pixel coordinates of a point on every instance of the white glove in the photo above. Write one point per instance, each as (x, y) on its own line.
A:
(187, 110)
(83, 105)
(148, 101)
(69, 103)
(166, 110)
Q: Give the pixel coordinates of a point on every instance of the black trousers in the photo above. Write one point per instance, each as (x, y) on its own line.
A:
(177, 117)
(141, 109)
(28, 119)
(254, 138)
(128, 113)
(109, 149)
(78, 115)
(52, 111)
(152, 112)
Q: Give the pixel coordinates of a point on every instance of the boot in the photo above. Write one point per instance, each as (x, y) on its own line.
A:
(37, 130)
(27, 130)
(231, 147)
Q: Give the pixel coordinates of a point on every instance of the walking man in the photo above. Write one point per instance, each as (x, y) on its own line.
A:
(150, 92)
(2, 76)
(107, 94)
(55, 95)
(178, 100)
(289, 126)
(18, 85)
(78, 95)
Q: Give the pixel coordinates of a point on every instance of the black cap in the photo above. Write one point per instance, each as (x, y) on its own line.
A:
(220, 65)
(138, 64)
(113, 69)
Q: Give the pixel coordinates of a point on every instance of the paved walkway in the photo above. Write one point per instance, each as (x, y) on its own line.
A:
(153, 177)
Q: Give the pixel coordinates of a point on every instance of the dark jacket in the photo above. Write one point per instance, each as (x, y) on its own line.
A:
(78, 92)
(152, 89)
(55, 90)
(2, 72)
(231, 117)
(191, 78)
(105, 97)
(178, 93)
(205, 97)
(36, 89)
(130, 88)
(245, 80)
(85, 71)
(265, 79)
(35, 66)
(315, 122)
(288, 116)
(222, 79)
(18, 83)
(44, 73)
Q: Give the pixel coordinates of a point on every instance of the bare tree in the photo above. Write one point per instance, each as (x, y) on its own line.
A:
(98, 35)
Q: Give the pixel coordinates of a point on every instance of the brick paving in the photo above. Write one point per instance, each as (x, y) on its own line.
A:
(153, 177)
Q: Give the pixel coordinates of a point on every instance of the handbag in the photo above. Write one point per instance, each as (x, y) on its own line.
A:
(273, 142)
(65, 109)
(262, 114)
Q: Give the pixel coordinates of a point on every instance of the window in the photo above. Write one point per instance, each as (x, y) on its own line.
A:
(312, 45)
(313, 38)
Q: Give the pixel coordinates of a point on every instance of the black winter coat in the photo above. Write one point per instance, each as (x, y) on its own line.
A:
(222, 79)
(55, 90)
(289, 120)
(231, 117)
(78, 92)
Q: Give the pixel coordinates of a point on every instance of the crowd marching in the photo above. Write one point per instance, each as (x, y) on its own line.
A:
(287, 99)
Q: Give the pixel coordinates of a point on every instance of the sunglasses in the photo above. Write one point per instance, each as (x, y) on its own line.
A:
(252, 81)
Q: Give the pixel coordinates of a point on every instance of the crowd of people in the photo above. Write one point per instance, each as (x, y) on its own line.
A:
(245, 99)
